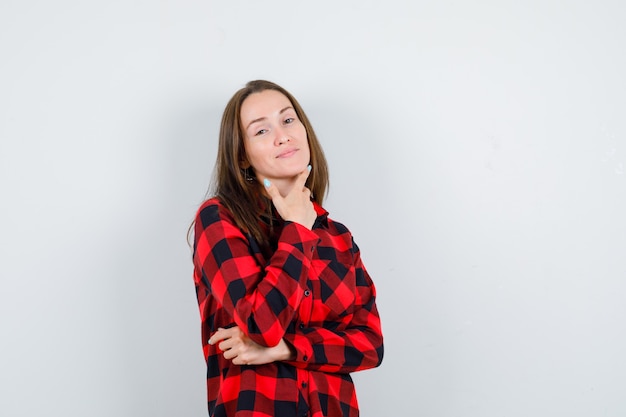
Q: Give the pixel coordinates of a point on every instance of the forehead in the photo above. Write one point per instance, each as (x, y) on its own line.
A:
(263, 104)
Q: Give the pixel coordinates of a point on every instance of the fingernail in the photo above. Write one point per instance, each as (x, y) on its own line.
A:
(309, 168)
(210, 343)
(266, 182)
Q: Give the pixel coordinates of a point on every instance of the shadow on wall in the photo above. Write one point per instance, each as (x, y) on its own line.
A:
(158, 321)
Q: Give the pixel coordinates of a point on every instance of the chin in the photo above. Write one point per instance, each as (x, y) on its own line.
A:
(296, 170)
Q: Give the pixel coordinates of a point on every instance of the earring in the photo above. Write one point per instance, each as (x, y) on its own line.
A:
(246, 174)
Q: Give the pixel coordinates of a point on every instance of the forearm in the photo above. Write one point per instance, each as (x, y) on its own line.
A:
(283, 352)
(353, 343)
(338, 352)
(241, 350)
(261, 296)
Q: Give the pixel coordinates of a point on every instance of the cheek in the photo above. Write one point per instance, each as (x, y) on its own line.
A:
(308, 145)
(255, 153)
(303, 136)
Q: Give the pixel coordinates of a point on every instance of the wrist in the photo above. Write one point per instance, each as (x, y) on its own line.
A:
(285, 351)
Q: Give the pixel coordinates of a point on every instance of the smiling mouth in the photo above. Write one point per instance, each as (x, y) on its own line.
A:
(287, 154)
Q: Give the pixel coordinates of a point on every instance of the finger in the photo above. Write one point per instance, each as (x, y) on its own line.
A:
(225, 344)
(216, 337)
(229, 353)
(241, 361)
(271, 189)
(302, 177)
(222, 334)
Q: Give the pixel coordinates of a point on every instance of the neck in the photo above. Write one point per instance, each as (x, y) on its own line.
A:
(284, 186)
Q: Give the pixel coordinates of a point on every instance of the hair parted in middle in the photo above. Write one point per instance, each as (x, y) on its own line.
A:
(229, 183)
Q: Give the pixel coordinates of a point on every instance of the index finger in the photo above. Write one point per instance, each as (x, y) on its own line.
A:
(303, 176)
(220, 335)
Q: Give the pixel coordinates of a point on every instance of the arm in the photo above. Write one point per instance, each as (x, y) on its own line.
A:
(241, 350)
(357, 347)
(262, 301)
(353, 345)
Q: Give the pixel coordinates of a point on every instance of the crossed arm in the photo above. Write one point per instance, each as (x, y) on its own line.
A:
(242, 350)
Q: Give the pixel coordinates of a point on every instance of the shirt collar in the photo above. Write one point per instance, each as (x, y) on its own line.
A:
(322, 215)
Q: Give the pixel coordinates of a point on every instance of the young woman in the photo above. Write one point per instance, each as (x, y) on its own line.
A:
(287, 307)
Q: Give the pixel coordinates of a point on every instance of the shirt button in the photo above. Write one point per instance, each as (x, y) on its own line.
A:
(307, 293)
(305, 358)
(304, 385)
(301, 326)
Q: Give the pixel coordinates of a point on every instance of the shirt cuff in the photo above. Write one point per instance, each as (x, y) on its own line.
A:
(300, 237)
(302, 347)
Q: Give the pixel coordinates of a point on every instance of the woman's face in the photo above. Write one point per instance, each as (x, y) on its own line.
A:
(275, 140)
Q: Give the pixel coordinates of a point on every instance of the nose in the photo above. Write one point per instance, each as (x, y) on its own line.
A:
(281, 136)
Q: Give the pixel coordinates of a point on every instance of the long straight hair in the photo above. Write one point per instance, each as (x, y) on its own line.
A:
(232, 185)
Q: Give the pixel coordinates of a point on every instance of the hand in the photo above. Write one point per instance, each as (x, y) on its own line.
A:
(242, 350)
(296, 205)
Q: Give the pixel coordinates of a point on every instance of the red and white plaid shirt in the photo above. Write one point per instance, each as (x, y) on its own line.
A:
(313, 291)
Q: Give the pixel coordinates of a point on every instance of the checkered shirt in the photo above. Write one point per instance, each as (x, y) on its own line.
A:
(313, 291)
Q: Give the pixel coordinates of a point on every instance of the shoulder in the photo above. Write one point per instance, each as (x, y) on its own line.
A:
(212, 203)
(334, 227)
(339, 236)
(337, 227)
(213, 211)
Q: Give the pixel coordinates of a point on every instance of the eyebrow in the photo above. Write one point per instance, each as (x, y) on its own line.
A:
(263, 118)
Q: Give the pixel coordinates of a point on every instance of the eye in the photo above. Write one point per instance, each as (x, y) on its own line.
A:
(289, 120)
(260, 132)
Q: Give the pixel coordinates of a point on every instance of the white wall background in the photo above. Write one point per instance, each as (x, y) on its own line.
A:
(477, 151)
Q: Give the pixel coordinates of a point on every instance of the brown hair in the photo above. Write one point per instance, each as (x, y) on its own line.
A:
(243, 197)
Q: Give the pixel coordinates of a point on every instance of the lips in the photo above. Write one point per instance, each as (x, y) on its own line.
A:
(287, 153)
